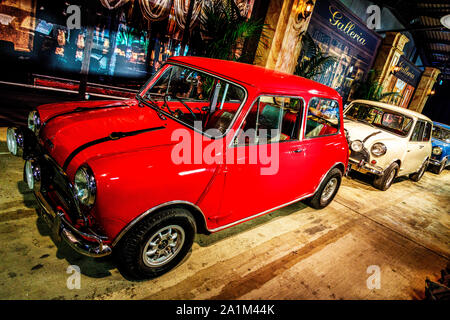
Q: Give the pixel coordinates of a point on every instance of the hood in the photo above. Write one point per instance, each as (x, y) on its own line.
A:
(361, 131)
(440, 143)
(73, 136)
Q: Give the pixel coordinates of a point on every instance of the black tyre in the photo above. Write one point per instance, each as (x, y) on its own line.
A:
(439, 169)
(327, 190)
(384, 181)
(157, 244)
(419, 174)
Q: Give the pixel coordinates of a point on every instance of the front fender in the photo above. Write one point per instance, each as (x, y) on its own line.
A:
(130, 184)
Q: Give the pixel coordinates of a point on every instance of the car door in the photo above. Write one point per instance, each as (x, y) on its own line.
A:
(416, 149)
(269, 163)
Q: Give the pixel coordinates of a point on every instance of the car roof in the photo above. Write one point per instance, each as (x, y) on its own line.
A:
(267, 80)
(439, 124)
(394, 108)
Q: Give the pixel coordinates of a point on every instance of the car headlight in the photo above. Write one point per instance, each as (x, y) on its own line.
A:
(34, 121)
(33, 175)
(437, 151)
(378, 149)
(15, 141)
(85, 186)
(356, 146)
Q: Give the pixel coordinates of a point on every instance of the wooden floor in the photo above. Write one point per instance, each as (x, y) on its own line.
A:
(294, 253)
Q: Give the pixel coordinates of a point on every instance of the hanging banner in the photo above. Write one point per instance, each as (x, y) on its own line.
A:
(408, 72)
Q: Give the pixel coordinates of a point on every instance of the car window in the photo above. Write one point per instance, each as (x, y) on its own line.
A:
(418, 131)
(427, 132)
(271, 119)
(441, 133)
(323, 118)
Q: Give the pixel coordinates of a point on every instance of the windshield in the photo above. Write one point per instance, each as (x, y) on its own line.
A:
(379, 117)
(441, 134)
(196, 99)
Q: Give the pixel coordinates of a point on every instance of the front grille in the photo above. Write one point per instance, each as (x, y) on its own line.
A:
(358, 156)
(55, 184)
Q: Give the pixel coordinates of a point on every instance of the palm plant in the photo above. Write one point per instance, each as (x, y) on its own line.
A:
(313, 61)
(371, 89)
(225, 30)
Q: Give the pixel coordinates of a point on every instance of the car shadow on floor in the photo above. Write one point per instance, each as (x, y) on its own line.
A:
(210, 239)
(366, 180)
(91, 267)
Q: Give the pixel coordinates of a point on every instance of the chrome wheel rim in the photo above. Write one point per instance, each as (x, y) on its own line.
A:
(391, 178)
(329, 190)
(163, 246)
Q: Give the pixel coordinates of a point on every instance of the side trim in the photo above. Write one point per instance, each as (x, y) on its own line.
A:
(146, 213)
(112, 136)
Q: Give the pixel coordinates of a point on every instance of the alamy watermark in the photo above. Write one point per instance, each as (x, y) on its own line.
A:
(74, 280)
(258, 150)
(74, 19)
(374, 280)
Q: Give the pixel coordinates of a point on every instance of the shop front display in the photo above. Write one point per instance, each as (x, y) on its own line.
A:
(342, 35)
(405, 78)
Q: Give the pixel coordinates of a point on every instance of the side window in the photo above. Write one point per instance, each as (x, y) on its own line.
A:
(271, 119)
(427, 132)
(418, 131)
(323, 118)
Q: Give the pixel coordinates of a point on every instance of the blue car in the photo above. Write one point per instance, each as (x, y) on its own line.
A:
(440, 154)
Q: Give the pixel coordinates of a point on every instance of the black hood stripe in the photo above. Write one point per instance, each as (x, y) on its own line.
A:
(112, 136)
(81, 109)
(371, 135)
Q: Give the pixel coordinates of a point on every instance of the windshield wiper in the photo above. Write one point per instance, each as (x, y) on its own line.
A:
(152, 104)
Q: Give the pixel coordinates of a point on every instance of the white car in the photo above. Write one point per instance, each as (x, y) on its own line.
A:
(387, 141)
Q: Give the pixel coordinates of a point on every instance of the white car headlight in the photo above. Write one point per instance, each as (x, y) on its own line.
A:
(14, 141)
(34, 121)
(378, 149)
(85, 186)
(437, 151)
(356, 146)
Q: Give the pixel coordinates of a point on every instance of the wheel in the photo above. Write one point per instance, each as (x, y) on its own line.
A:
(439, 169)
(157, 244)
(384, 181)
(327, 190)
(419, 174)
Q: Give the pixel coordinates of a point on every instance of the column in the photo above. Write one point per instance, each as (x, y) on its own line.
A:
(424, 88)
(388, 55)
(283, 35)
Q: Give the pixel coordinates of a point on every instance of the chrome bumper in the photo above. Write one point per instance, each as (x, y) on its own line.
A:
(434, 162)
(363, 166)
(62, 229)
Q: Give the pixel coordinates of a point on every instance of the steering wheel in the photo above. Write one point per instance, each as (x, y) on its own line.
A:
(187, 107)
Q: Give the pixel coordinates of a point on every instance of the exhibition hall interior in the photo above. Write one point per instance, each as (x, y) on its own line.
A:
(243, 151)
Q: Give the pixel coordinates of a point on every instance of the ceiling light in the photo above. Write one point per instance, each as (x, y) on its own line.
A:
(445, 20)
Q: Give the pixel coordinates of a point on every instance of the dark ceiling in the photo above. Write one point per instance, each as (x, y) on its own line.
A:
(422, 19)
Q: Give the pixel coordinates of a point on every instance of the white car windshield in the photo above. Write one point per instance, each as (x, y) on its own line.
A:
(441, 134)
(380, 117)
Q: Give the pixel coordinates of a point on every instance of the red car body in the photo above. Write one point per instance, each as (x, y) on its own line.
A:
(136, 177)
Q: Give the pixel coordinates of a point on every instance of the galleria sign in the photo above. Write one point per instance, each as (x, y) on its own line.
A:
(337, 20)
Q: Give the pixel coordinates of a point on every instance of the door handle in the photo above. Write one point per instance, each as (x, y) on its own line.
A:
(297, 150)
(421, 147)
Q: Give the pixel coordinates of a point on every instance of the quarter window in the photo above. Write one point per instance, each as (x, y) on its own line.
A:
(418, 131)
(427, 132)
(323, 118)
(271, 119)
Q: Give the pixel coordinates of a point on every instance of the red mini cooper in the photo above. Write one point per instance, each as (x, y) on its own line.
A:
(205, 145)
